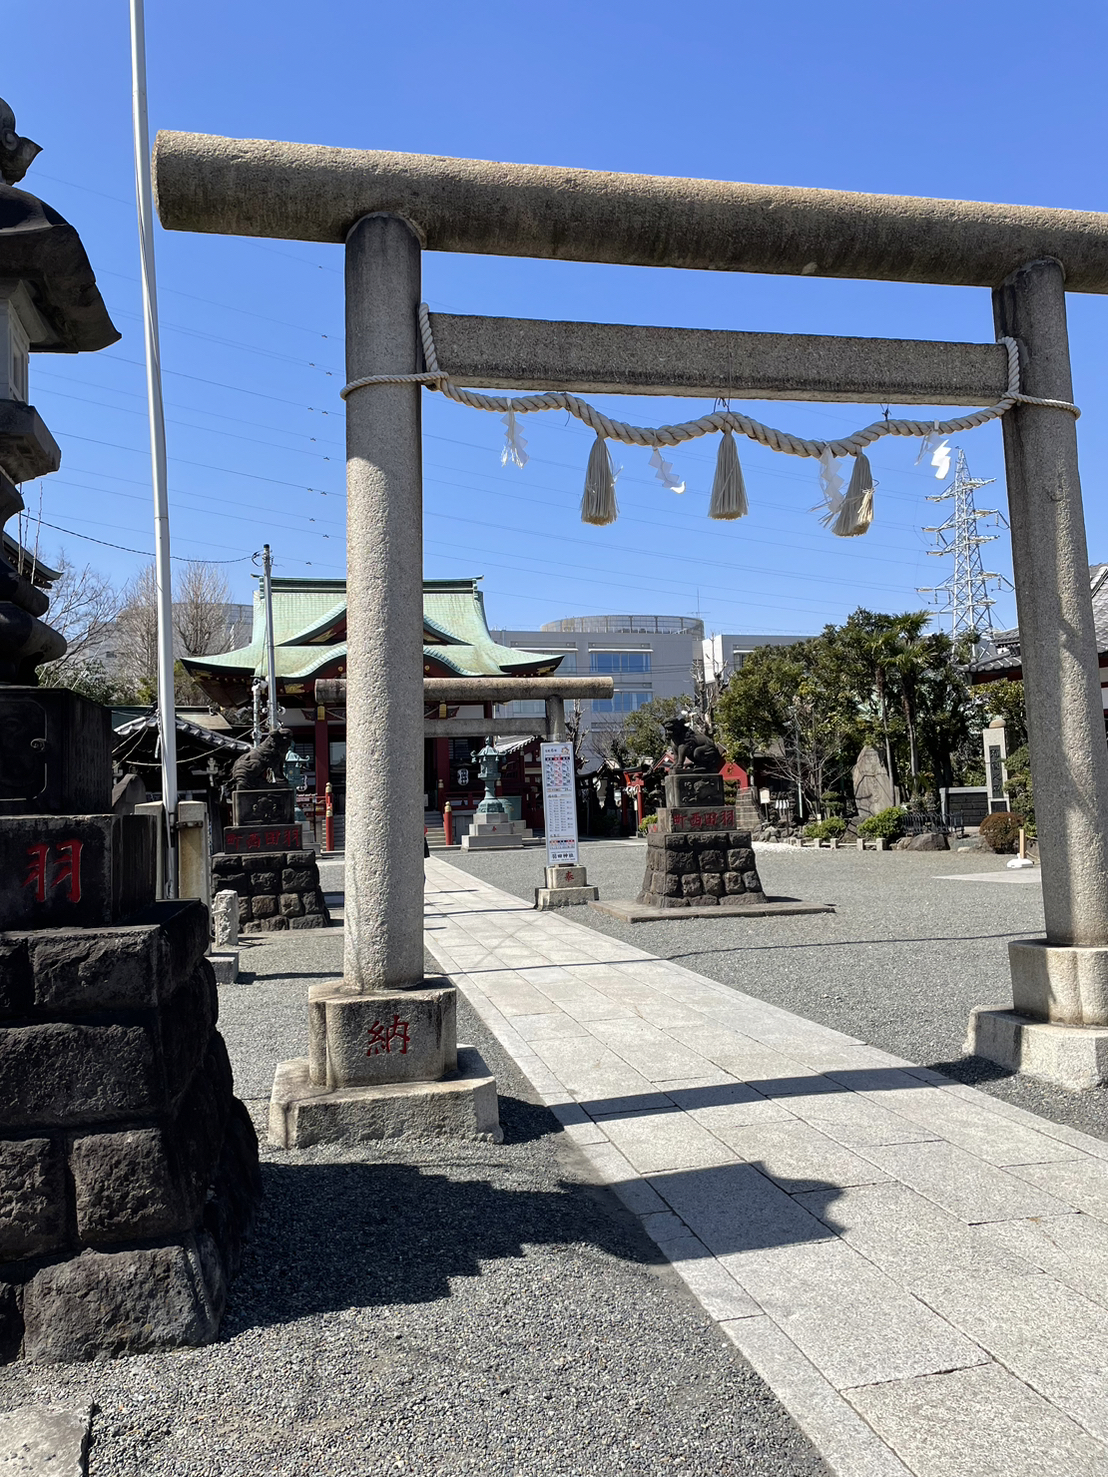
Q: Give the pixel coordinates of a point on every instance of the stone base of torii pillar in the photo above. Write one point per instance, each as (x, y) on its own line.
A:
(383, 1065)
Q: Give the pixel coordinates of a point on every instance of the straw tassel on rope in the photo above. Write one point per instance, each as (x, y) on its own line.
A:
(598, 505)
(855, 513)
(728, 487)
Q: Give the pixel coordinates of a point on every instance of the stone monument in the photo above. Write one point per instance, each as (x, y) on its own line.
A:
(695, 858)
(128, 1169)
(873, 788)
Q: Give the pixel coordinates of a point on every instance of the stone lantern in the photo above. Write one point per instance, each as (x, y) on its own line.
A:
(488, 767)
(49, 303)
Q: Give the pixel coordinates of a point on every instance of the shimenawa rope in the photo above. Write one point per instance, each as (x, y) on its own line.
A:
(598, 505)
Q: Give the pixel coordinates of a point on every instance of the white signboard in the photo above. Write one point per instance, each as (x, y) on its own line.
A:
(559, 804)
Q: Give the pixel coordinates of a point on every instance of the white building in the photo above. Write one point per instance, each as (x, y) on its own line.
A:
(647, 657)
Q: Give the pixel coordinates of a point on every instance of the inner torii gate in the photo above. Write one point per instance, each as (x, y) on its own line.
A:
(386, 208)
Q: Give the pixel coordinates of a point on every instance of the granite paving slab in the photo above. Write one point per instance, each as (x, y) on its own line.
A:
(980, 1420)
(890, 1249)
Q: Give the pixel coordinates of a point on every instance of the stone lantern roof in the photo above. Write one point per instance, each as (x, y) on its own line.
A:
(39, 248)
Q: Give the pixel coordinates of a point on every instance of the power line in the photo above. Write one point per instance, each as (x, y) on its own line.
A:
(72, 533)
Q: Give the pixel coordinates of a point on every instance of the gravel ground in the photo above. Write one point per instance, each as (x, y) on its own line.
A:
(445, 1309)
(899, 964)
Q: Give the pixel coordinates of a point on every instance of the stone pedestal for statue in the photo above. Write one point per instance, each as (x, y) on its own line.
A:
(697, 864)
(496, 832)
(695, 857)
(566, 887)
(128, 1168)
(276, 890)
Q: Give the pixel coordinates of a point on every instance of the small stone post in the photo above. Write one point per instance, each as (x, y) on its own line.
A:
(194, 851)
(1061, 980)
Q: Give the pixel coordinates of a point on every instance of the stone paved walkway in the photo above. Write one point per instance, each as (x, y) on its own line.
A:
(915, 1268)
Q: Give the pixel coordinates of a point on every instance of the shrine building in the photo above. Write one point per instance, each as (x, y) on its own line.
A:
(309, 629)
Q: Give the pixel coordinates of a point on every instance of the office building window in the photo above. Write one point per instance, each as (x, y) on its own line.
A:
(621, 702)
(738, 657)
(619, 661)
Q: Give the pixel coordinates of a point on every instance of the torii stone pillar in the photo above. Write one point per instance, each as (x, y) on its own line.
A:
(383, 941)
(383, 1058)
(1056, 1028)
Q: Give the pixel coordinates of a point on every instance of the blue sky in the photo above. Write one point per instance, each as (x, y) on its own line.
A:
(958, 100)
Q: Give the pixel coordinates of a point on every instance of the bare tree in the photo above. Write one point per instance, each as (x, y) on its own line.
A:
(136, 633)
(83, 605)
(200, 609)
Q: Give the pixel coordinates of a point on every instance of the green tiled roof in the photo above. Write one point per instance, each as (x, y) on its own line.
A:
(309, 627)
(456, 633)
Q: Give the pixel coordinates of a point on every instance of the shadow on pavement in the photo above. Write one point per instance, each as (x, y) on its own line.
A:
(972, 1069)
(358, 1235)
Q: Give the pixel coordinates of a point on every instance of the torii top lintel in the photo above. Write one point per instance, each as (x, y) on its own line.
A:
(310, 192)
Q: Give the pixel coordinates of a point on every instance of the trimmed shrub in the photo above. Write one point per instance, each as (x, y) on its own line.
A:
(886, 825)
(1000, 831)
(829, 830)
(648, 824)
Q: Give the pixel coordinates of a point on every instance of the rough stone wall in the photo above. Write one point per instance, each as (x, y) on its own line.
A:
(128, 1169)
(277, 889)
(712, 869)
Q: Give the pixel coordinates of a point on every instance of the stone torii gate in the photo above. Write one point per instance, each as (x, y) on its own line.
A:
(386, 208)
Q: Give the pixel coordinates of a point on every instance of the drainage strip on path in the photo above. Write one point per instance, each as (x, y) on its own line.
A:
(917, 1270)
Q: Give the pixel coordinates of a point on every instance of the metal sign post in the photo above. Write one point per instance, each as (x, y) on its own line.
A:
(559, 803)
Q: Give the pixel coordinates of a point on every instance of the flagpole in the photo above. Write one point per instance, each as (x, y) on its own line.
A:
(167, 714)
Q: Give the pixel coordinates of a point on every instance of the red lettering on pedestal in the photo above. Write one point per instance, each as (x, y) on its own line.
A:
(67, 869)
(702, 820)
(382, 1036)
(36, 871)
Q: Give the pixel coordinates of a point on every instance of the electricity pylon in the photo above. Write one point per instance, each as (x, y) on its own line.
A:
(965, 592)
